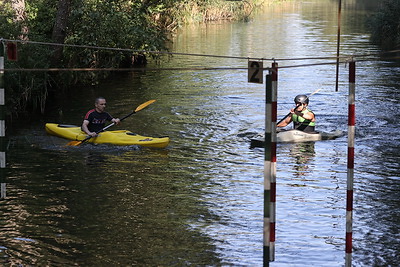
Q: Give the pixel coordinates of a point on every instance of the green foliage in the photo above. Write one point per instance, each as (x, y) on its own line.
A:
(40, 19)
(110, 23)
(9, 29)
(385, 25)
(139, 26)
(102, 23)
(26, 90)
(198, 11)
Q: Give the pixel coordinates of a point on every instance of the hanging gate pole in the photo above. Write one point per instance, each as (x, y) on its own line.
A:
(270, 165)
(2, 126)
(338, 45)
(350, 163)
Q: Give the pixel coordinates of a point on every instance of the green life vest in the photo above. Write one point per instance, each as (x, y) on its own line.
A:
(303, 124)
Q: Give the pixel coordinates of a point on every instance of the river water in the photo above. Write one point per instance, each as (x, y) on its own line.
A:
(200, 201)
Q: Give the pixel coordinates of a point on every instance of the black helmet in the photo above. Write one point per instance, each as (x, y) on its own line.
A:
(303, 99)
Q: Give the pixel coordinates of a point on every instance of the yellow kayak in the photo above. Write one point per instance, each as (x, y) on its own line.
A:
(120, 137)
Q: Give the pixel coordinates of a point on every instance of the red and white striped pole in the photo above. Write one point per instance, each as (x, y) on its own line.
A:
(350, 163)
(270, 165)
(274, 96)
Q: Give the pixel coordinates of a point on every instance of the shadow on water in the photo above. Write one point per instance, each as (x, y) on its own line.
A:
(69, 212)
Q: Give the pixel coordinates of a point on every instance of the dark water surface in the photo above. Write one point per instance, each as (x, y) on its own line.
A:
(200, 201)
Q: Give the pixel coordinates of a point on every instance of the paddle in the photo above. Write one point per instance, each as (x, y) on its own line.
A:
(140, 107)
(290, 113)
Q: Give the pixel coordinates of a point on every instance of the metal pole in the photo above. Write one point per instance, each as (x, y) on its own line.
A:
(350, 163)
(338, 45)
(274, 112)
(270, 165)
(2, 126)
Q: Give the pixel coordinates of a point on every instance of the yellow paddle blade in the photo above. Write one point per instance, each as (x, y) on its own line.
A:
(145, 104)
(74, 143)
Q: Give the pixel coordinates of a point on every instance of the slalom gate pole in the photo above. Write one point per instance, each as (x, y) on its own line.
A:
(350, 163)
(338, 45)
(2, 126)
(270, 166)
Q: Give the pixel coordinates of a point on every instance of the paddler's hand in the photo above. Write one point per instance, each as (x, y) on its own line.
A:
(116, 121)
(300, 108)
(297, 110)
(93, 134)
(298, 113)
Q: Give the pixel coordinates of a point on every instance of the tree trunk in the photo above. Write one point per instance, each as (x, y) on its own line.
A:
(59, 30)
(20, 16)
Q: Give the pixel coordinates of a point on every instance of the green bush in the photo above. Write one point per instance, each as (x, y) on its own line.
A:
(133, 25)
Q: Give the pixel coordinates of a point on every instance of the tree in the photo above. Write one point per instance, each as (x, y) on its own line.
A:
(20, 16)
(60, 30)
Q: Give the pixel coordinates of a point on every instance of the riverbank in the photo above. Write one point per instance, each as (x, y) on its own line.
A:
(214, 10)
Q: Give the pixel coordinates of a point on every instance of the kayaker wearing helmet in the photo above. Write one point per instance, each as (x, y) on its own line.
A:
(96, 118)
(303, 119)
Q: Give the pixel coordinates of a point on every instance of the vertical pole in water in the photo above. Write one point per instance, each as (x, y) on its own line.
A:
(2, 126)
(350, 163)
(270, 165)
(338, 45)
(274, 97)
(267, 172)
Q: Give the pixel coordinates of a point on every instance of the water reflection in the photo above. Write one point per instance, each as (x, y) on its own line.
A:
(302, 154)
(95, 160)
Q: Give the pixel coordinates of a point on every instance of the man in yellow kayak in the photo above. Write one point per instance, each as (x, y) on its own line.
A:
(303, 118)
(96, 118)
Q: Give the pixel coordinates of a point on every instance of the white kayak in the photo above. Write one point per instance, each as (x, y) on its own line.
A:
(295, 136)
